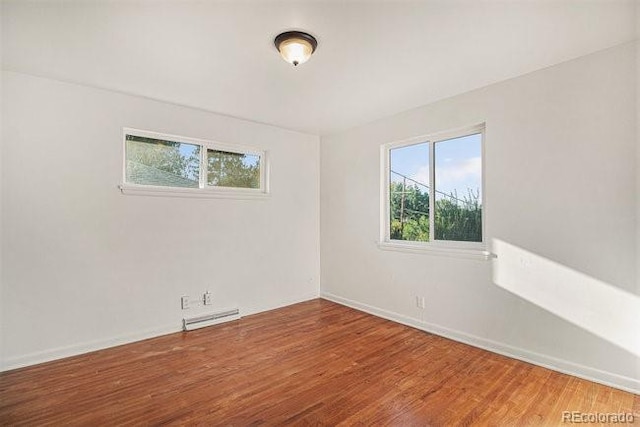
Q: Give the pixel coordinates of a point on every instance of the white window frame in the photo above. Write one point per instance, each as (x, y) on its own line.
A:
(203, 190)
(440, 247)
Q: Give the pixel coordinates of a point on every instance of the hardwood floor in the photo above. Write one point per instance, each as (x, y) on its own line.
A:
(312, 363)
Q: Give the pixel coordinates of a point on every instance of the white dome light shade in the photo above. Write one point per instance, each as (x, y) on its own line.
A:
(295, 47)
(295, 51)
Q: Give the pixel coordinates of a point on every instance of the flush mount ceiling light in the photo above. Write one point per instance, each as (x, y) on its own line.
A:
(295, 47)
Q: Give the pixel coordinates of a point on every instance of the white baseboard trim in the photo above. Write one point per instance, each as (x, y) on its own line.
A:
(248, 311)
(86, 347)
(585, 372)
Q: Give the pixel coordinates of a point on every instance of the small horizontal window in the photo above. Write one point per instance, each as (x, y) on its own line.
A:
(161, 162)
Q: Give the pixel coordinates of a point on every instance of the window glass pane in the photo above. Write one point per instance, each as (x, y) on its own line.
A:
(458, 189)
(238, 170)
(409, 193)
(166, 163)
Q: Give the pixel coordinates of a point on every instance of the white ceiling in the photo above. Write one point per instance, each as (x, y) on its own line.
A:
(374, 59)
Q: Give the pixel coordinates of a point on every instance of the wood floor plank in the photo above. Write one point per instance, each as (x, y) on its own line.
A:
(314, 363)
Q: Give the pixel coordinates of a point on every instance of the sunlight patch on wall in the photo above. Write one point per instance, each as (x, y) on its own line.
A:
(600, 308)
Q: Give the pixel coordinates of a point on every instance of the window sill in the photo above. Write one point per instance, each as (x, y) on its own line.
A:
(478, 253)
(198, 193)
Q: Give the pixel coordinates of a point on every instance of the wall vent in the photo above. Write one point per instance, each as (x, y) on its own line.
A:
(210, 319)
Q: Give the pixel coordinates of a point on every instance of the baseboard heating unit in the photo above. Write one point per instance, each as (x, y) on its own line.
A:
(210, 319)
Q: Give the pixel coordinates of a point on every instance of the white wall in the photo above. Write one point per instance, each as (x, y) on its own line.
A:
(88, 267)
(560, 157)
(1, 174)
(637, 5)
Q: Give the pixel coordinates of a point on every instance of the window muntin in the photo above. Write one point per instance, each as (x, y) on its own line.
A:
(451, 165)
(156, 161)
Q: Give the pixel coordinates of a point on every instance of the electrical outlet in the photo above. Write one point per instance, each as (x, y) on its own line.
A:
(420, 302)
(184, 301)
(207, 298)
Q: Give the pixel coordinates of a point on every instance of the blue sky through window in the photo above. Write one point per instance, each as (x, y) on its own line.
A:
(458, 165)
(411, 161)
(191, 153)
(251, 160)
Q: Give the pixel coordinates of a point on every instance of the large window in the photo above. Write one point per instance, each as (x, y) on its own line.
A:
(433, 190)
(162, 162)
